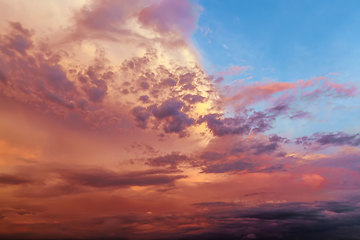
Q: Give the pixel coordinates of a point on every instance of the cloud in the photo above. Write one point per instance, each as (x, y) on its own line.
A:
(44, 76)
(170, 160)
(276, 138)
(55, 181)
(111, 127)
(300, 114)
(336, 138)
(167, 16)
(214, 204)
(252, 93)
(265, 148)
(106, 17)
(240, 154)
(248, 94)
(223, 220)
(18, 40)
(224, 126)
(6, 179)
(193, 98)
(141, 116)
(35, 78)
(313, 180)
(229, 167)
(233, 70)
(210, 156)
(102, 178)
(255, 122)
(171, 112)
(320, 220)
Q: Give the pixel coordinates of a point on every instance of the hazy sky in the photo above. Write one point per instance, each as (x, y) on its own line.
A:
(174, 119)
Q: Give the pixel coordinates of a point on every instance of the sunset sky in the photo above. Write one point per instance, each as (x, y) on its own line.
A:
(176, 119)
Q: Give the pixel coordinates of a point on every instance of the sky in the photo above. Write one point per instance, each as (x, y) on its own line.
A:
(179, 119)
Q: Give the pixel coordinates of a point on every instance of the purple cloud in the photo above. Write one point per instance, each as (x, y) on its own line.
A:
(337, 138)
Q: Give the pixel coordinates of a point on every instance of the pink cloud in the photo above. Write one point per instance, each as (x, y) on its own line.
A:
(233, 70)
(106, 15)
(166, 16)
(341, 89)
(252, 93)
(247, 94)
(174, 20)
(313, 180)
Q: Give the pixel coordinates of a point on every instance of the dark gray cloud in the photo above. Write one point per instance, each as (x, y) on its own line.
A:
(79, 180)
(141, 116)
(214, 204)
(243, 154)
(276, 138)
(256, 122)
(325, 220)
(228, 167)
(186, 78)
(96, 94)
(278, 109)
(254, 147)
(224, 126)
(169, 160)
(301, 221)
(169, 82)
(168, 108)
(337, 138)
(273, 168)
(300, 115)
(262, 148)
(211, 156)
(175, 120)
(102, 178)
(18, 40)
(7, 179)
(144, 98)
(192, 99)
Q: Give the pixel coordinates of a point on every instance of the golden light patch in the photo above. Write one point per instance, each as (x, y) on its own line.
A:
(9, 153)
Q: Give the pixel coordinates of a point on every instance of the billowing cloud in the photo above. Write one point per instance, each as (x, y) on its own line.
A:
(255, 122)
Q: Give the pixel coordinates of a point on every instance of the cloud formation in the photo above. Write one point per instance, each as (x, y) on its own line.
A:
(111, 128)
(336, 138)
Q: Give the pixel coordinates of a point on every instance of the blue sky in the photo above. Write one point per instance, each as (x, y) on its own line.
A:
(286, 41)
(281, 40)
